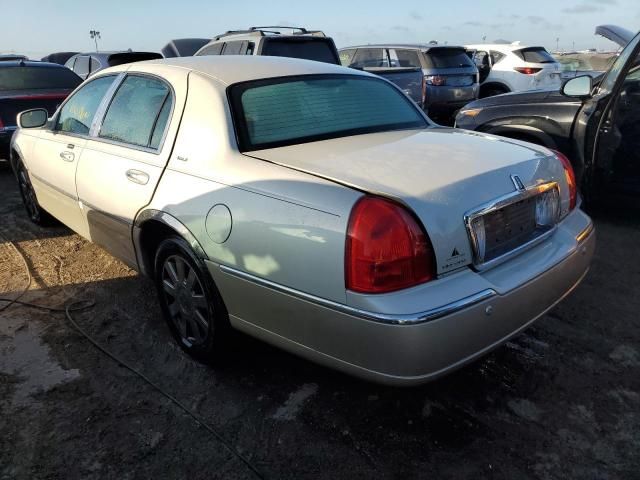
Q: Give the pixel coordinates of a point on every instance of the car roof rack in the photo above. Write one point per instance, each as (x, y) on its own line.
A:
(271, 30)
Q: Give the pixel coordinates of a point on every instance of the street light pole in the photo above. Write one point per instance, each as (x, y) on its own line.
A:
(95, 35)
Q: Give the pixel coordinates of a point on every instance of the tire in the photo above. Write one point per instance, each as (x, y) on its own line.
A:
(34, 211)
(190, 302)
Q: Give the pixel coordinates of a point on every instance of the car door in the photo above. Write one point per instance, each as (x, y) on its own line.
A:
(55, 156)
(124, 159)
(598, 127)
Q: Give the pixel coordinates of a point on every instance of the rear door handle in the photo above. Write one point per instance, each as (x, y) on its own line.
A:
(136, 176)
(67, 156)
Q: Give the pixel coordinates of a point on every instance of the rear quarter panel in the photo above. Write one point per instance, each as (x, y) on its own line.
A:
(286, 226)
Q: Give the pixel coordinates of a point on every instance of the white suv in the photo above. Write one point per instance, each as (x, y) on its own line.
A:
(512, 67)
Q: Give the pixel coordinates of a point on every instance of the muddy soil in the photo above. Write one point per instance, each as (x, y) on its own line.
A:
(560, 401)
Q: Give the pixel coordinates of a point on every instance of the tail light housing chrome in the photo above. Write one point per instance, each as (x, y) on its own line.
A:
(386, 248)
(570, 177)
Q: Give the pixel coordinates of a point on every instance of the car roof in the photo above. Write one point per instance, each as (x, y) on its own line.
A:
(232, 69)
(421, 46)
(30, 63)
(506, 47)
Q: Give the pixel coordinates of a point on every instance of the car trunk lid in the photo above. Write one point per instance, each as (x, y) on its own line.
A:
(441, 174)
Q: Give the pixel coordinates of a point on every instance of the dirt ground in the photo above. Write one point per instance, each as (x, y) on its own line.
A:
(560, 401)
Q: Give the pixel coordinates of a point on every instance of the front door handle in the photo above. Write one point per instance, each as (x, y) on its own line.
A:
(136, 176)
(67, 156)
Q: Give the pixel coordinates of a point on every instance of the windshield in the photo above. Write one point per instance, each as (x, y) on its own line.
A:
(535, 55)
(447, 58)
(313, 48)
(606, 86)
(37, 78)
(292, 110)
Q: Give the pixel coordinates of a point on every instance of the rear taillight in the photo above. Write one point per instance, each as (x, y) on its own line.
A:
(1, 124)
(437, 80)
(527, 70)
(424, 91)
(570, 177)
(386, 248)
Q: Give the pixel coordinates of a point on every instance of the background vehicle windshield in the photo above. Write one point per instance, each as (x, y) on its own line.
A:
(535, 55)
(316, 49)
(278, 112)
(448, 58)
(36, 78)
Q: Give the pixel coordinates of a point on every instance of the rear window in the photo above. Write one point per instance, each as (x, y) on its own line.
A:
(309, 48)
(535, 55)
(129, 57)
(447, 58)
(37, 78)
(287, 111)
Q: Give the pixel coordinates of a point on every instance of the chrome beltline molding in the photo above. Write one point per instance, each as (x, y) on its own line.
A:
(393, 319)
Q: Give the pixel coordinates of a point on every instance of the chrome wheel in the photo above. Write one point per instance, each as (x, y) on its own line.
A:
(186, 300)
(28, 196)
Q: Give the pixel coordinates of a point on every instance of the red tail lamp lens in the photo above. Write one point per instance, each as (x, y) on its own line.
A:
(570, 176)
(386, 249)
(527, 70)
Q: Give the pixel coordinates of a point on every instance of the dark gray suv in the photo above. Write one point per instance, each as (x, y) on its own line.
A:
(450, 78)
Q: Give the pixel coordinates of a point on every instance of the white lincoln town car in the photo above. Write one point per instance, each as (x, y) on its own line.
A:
(309, 205)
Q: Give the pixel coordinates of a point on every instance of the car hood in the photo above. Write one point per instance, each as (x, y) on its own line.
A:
(616, 34)
(521, 98)
(440, 173)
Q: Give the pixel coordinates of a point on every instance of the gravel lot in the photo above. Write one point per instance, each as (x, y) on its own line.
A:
(560, 401)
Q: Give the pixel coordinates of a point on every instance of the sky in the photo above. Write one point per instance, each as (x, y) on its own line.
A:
(39, 27)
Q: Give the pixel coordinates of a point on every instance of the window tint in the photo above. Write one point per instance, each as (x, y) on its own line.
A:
(34, 78)
(309, 48)
(407, 58)
(214, 49)
(448, 58)
(346, 56)
(77, 113)
(535, 55)
(370, 57)
(496, 56)
(295, 110)
(95, 64)
(134, 110)
(234, 48)
(82, 66)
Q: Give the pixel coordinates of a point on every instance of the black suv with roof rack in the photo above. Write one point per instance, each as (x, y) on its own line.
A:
(271, 41)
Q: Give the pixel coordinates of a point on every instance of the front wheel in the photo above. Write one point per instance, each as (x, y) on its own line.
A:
(190, 302)
(35, 212)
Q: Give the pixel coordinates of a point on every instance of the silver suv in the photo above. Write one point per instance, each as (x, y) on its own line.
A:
(450, 78)
(271, 41)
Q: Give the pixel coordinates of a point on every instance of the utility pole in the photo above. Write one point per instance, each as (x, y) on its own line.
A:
(95, 35)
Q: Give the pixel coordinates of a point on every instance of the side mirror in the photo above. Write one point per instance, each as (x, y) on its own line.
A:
(578, 87)
(33, 118)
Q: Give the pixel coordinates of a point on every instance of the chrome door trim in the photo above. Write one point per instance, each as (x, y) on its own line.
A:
(392, 319)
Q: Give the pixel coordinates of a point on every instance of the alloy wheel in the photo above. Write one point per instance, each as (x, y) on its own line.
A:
(189, 310)
(28, 196)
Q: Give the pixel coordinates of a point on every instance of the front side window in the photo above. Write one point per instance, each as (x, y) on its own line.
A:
(346, 57)
(136, 111)
(292, 110)
(407, 58)
(481, 59)
(496, 56)
(77, 113)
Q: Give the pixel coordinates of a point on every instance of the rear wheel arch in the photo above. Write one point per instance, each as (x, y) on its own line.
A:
(150, 229)
(526, 134)
(495, 87)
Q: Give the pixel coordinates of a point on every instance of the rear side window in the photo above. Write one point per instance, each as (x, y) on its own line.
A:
(77, 113)
(95, 65)
(82, 66)
(235, 48)
(36, 78)
(136, 111)
(405, 58)
(277, 112)
(346, 56)
(448, 58)
(370, 58)
(496, 56)
(535, 55)
(214, 49)
(309, 48)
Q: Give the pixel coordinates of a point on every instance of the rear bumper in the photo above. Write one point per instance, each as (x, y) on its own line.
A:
(450, 97)
(420, 349)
